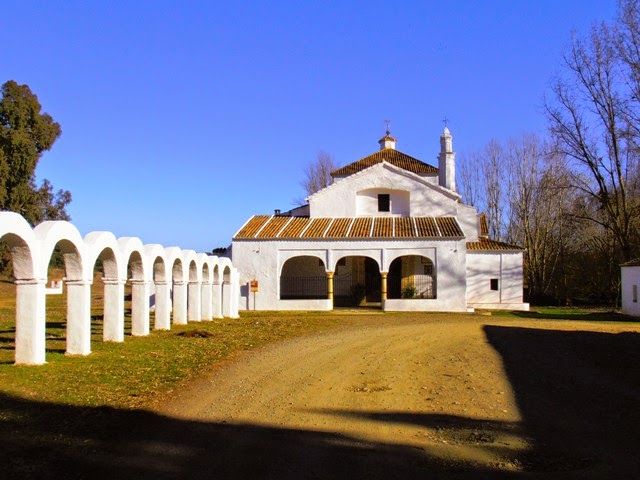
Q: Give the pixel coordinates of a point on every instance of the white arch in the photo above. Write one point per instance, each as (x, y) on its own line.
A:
(131, 247)
(206, 288)
(31, 251)
(194, 292)
(78, 279)
(30, 290)
(226, 286)
(216, 288)
(51, 233)
(17, 233)
(99, 244)
(179, 279)
(156, 260)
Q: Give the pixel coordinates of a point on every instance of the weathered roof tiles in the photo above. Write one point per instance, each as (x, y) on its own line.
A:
(283, 228)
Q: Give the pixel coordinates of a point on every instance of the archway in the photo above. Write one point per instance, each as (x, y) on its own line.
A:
(357, 282)
(412, 276)
(303, 278)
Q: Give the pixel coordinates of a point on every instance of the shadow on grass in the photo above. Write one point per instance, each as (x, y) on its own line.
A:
(40, 440)
(579, 396)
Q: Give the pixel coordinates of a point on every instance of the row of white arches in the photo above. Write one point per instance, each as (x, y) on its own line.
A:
(187, 286)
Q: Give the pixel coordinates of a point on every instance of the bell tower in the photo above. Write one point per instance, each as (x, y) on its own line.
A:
(447, 161)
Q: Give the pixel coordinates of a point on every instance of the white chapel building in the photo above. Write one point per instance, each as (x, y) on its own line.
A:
(389, 232)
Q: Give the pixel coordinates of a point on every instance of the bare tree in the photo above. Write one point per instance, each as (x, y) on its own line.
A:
(495, 172)
(591, 119)
(470, 180)
(317, 175)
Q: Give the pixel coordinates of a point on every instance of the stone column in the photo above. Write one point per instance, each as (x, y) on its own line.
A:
(78, 317)
(216, 295)
(383, 288)
(162, 314)
(206, 302)
(140, 292)
(113, 320)
(179, 303)
(194, 302)
(30, 321)
(226, 299)
(234, 294)
(330, 288)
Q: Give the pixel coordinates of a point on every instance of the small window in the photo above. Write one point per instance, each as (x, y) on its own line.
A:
(635, 294)
(384, 202)
(494, 284)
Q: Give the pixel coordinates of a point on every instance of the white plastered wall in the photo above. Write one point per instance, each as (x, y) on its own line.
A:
(263, 261)
(340, 199)
(630, 277)
(506, 267)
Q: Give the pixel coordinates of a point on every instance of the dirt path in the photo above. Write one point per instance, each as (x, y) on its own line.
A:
(456, 399)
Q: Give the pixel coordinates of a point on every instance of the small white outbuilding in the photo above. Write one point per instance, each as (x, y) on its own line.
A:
(390, 232)
(630, 280)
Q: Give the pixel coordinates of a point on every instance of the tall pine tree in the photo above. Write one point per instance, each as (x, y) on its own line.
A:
(25, 134)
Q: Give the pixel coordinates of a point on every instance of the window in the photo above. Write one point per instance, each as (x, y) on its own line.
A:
(494, 284)
(635, 294)
(384, 202)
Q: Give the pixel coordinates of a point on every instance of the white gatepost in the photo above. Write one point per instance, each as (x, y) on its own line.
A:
(113, 321)
(140, 291)
(234, 294)
(216, 296)
(206, 301)
(78, 317)
(179, 303)
(30, 321)
(194, 302)
(163, 306)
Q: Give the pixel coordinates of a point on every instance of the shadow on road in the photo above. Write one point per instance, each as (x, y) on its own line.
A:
(579, 396)
(40, 440)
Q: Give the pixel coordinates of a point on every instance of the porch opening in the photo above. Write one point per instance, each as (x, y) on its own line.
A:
(357, 283)
(411, 276)
(303, 278)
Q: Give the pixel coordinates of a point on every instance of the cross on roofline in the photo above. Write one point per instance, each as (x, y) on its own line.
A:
(388, 124)
(445, 120)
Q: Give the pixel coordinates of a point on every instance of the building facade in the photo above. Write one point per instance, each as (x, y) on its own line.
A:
(389, 232)
(630, 283)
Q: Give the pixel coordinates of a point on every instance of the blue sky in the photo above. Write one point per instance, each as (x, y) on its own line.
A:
(181, 119)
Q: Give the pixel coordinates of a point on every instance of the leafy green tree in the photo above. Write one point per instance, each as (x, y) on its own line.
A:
(25, 134)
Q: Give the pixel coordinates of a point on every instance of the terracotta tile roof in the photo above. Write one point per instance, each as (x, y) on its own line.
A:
(281, 227)
(295, 227)
(272, 229)
(383, 227)
(484, 244)
(339, 228)
(361, 227)
(449, 227)
(392, 156)
(253, 226)
(405, 227)
(316, 227)
(426, 227)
